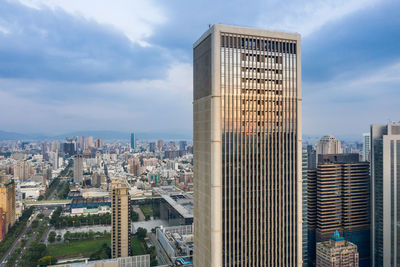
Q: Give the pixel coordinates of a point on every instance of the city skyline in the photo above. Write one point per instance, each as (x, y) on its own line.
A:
(146, 78)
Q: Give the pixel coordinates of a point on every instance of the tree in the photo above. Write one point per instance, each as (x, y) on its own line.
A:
(141, 233)
(47, 260)
(58, 238)
(52, 237)
(134, 215)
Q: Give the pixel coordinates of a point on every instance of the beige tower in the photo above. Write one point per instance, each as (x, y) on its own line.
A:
(247, 148)
(7, 202)
(120, 219)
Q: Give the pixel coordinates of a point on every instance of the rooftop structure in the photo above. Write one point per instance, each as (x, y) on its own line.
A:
(336, 252)
(135, 261)
(176, 207)
(177, 243)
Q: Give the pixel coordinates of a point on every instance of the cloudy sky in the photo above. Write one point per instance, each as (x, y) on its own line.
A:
(69, 65)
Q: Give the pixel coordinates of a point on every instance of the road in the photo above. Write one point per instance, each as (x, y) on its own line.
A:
(17, 242)
(32, 237)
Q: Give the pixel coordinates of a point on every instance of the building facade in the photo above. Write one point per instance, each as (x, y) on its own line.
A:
(385, 172)
(305, 208)
(120, 219)
(78, 168)
(247, 148)
(7, 203)
(337, 252)
(366, 148)
(133, 140)
(339, 199)
(328, 144)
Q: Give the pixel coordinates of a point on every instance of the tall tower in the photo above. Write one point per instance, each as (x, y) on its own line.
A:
(120, 219)
(366, 147)
(328, 144)
(385, 176)
(133, 140)
(247, 148)
(7, 202)
(78, 168)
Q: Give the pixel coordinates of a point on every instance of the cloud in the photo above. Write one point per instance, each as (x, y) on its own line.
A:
(53, 45)
(135, 18)
(307, 17)
(350, 106)
(147, 105)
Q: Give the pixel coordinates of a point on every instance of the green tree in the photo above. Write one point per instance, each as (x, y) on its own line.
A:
(47, 260)
(141, 233)
(52, 237)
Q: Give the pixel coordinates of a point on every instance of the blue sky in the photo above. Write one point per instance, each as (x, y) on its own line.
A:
(127, 64)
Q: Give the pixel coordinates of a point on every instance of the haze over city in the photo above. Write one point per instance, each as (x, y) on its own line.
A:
(123, 65)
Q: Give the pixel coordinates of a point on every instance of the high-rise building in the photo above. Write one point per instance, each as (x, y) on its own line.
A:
(328, 144)
(120, 219)
(7, 203)
(247, 148)
(89, 142)
(78, 168)
(366, 148)
(152, 147)
(81, 143)
(133, 140)
(160, 144)
(338, 199)
(337, 252)
(182, 145)
(305, 208)
(385, 172)
(22, 170)
(98, 143)
(311, 157)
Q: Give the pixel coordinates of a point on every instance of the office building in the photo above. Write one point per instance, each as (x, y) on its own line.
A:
(247, 148)
(98, 143)
(385, 172)
(338, 199)
(133, 140)
(311, 157)
(182, 145)
(337, 252)
(7, 203)
(22, 170)
(152, 147)
(366, 148)
(305, 208)
(89, 142)
(160, 144)
(120, 219)
(78, 168)
(328, 144)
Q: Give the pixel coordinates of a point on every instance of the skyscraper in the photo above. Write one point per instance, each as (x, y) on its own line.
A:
(385, 172)
(328, 144)
(247, 148)
(120, 219)
(7, 203)
(133, 140)
(366, 147)
(339, 200)
(78, 168)
(305, 208)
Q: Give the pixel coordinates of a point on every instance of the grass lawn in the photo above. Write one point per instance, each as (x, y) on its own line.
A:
(84, 247)
(137, 247)
(147, 210)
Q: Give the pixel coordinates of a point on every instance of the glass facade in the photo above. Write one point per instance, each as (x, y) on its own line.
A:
(259, 150)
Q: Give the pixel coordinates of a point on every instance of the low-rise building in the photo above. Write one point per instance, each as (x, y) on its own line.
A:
(337, 252)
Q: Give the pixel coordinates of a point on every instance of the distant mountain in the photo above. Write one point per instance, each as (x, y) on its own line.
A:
(11, 136)
(105, 135)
